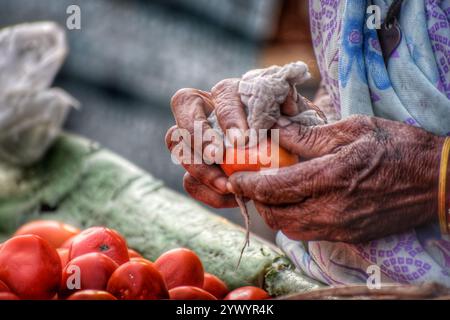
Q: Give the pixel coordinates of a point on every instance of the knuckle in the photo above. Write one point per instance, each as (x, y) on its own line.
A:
(224, 85)
(262, 190)
(190, 99)
(181, 95)
(227, 111)
(306, 135)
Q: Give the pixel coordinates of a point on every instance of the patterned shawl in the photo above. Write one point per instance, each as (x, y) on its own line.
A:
(412, 87)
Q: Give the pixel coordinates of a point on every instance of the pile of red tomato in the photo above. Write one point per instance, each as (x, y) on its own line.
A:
(53, 260)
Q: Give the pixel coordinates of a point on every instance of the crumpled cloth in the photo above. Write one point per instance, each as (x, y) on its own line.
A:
(263, 91)
(414, 88)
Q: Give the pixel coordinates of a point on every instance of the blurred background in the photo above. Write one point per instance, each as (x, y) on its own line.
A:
(131, 56)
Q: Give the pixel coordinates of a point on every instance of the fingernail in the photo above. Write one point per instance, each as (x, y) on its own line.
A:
(221, 184)
(283, 122)
(230, 187)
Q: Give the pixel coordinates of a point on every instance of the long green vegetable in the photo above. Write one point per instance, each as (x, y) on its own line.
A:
(80, 183)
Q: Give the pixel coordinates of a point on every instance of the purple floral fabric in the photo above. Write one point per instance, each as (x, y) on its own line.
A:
(438, 17)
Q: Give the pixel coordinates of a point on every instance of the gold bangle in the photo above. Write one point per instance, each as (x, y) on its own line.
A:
(442, 201)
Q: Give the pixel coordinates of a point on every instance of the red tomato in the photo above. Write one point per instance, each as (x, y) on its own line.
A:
(93, 269)
(142, 260)
(30, 267)
(67, 243)
(133, 254)
(215, 286)
(190, 293)
(257, 161)
(63, 256)
(54, 232)
(4, 287)
(137, 280)
(101, 240)
(247, 293)
(181, 267)
(91, 295)
(8, 296)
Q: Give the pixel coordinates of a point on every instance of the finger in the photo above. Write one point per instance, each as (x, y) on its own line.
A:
(206, 195)
(316, 141)
(293, 105)
(289, 184)
(229, 109)
(190, 108)
(210, 175)
(308, 105)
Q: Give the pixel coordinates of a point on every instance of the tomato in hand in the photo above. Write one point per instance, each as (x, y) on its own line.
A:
(55, 232)
(247, 293)
(215, 286)
(101, 240)
(30, 267)
(254, 158)
(91, 295)
(190, 293)
(137, 280)
(92, 269)
(181, 267)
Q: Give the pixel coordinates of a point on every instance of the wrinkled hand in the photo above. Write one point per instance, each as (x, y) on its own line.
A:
(366, 178)
(205, 182)
(208, 183)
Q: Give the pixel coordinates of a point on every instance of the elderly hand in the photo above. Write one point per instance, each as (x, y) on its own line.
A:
(204, 182)
(366, 178)
(207, 183)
